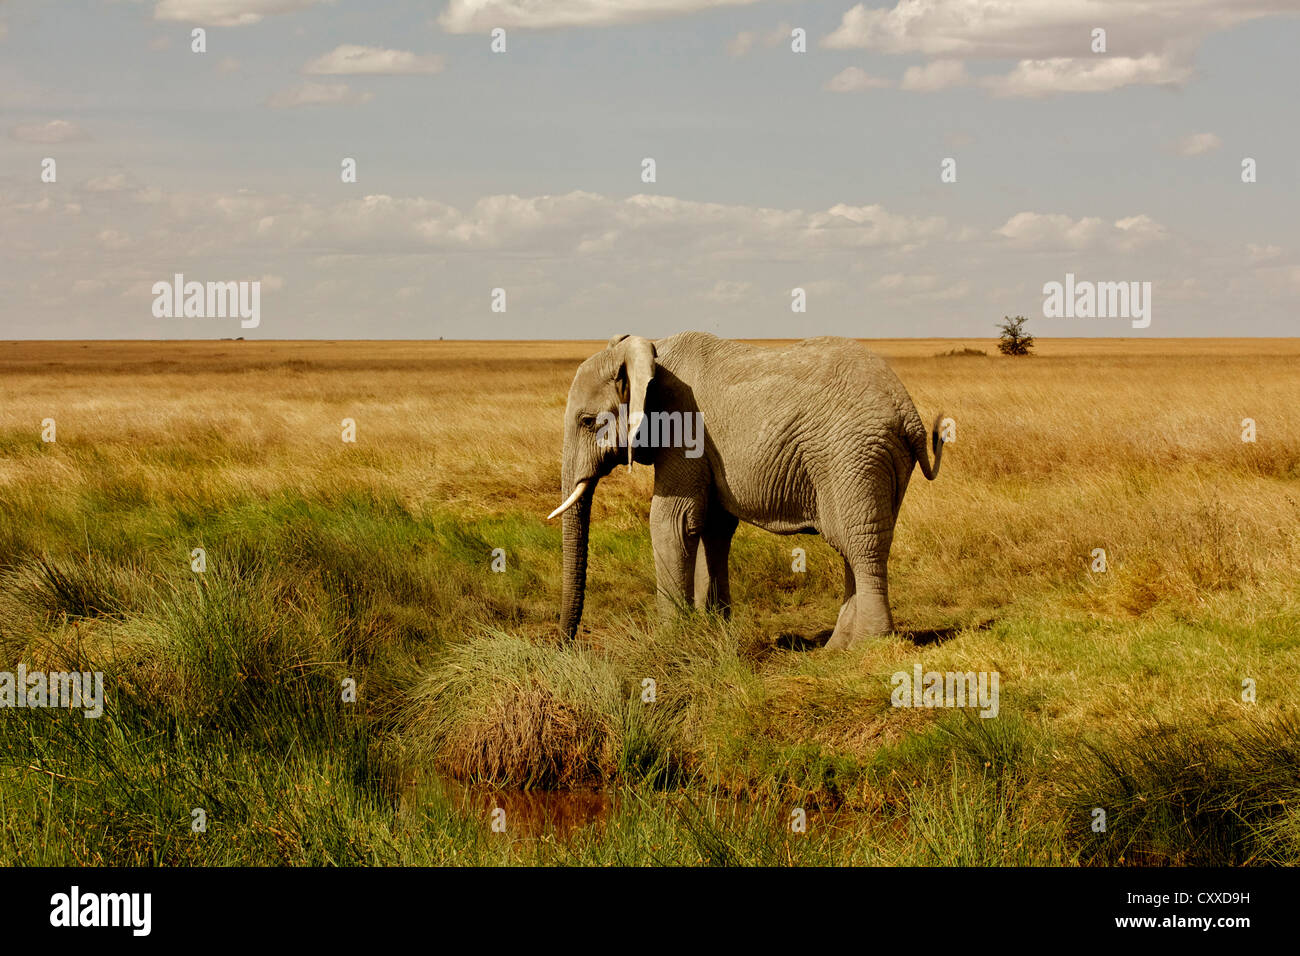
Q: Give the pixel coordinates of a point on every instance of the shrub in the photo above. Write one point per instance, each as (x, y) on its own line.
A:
(1014, 339)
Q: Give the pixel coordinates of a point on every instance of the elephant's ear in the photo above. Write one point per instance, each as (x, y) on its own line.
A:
(635, 372)
(615, 339)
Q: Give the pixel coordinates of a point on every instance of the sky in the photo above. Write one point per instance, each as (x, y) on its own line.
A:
(915, 168)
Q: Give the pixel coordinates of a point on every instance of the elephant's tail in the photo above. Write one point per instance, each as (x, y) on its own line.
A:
(918, 438)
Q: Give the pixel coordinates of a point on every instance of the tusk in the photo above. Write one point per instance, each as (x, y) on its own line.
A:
(570, 501)
(633, 426)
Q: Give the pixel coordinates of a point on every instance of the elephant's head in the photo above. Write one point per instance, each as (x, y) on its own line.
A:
(618, 375)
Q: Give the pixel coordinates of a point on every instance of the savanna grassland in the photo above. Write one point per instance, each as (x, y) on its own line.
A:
(371, 561)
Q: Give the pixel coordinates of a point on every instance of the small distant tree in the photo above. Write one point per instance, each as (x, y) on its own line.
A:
(1015, 340)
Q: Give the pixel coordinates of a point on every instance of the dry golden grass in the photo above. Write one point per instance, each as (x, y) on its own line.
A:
(1128, 445)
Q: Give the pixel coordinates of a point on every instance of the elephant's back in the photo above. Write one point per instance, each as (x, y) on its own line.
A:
(782, 422)
(812, 377)
(861, 382)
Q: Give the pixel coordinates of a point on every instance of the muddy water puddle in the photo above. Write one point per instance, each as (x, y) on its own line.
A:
(563, 813)
(532, 813)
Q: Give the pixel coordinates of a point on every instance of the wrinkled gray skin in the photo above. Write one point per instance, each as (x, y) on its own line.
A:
(820, 437)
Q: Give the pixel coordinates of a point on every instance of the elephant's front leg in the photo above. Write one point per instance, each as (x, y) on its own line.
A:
(712, 585)
(675, 525)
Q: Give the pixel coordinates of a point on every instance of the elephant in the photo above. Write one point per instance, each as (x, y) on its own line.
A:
(819, 437)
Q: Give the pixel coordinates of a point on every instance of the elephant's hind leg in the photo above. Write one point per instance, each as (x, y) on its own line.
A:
(859, 523)
(844, 623)
(712, 585)
(865, 611)
(871, 616)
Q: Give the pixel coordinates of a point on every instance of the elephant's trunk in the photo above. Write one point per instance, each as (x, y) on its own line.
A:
(577, 520)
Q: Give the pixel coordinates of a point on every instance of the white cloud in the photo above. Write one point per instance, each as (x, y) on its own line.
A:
(55, 131)
(1038, 29)
(1198, 143)
(1137, 231)
(1032, 78)
(474, 16)
(226, 13)
(1049, 229)
(934, 76)
(1148, 43)
(317, 94)
(107, 184)
(860, 226)
(853, 79)
(352, 59)
(546, 226)
(1059, 231)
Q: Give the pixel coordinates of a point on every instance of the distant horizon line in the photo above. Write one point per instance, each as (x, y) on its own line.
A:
(754, 338)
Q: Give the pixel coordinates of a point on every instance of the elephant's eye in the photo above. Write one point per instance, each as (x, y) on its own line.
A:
(588, 421)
